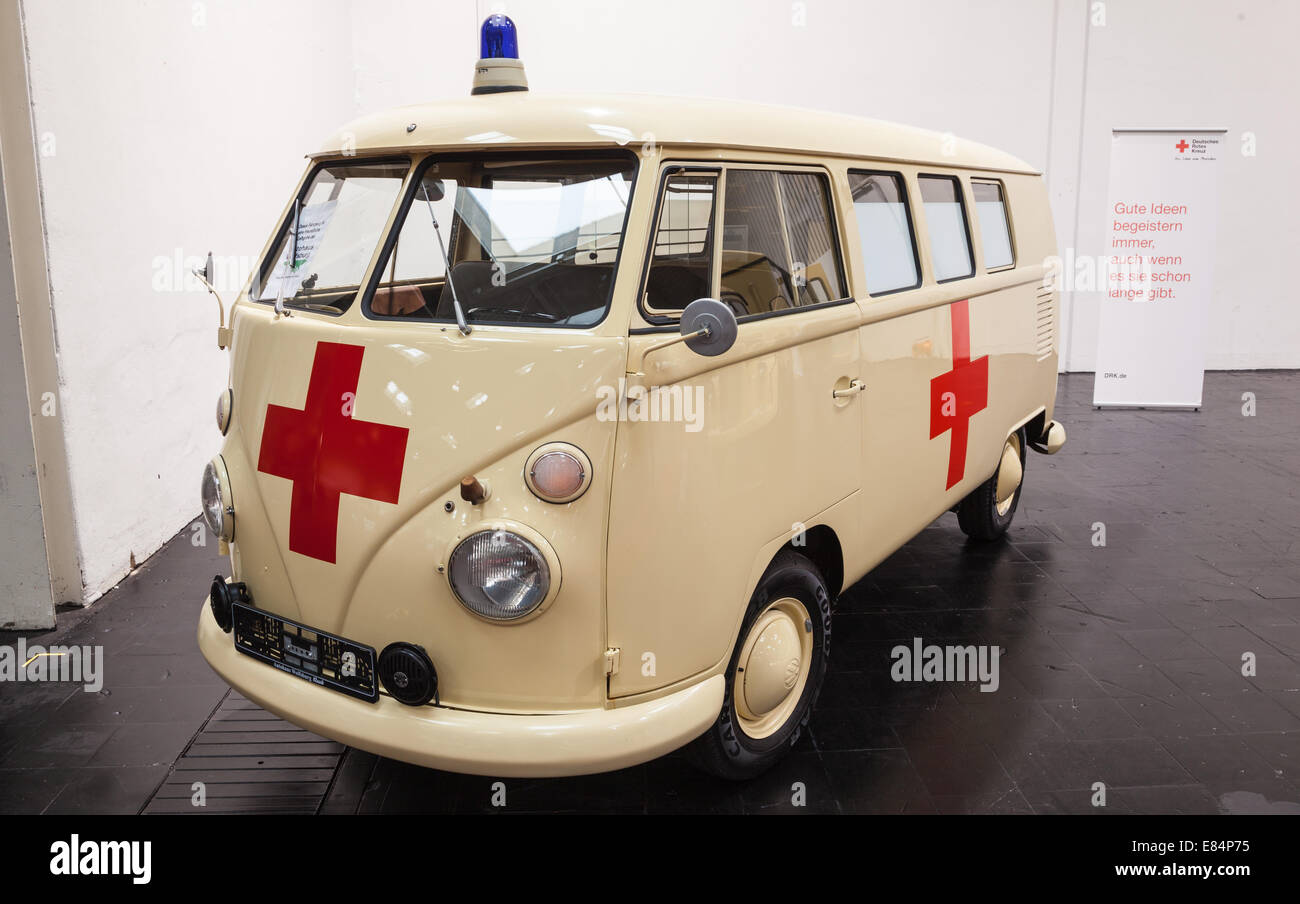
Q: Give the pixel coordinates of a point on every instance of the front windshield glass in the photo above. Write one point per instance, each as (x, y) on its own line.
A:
(337, 221)
(531, 240)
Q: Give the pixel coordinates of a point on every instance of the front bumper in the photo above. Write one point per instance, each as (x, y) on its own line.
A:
(478, 743)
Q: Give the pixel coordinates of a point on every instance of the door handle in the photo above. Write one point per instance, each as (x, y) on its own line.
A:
(854, 387)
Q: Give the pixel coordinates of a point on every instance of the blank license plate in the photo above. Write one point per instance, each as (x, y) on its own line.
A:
(309, 654)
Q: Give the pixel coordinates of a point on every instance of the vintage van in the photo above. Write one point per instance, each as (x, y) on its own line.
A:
(556, 424)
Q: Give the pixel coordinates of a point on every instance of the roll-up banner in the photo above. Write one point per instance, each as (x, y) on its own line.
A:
(1162, 211)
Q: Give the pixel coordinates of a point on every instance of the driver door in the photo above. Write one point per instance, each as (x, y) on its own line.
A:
(724, 455)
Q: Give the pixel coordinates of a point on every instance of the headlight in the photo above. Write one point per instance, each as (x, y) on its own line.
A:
(225, 404)
(499, 575)
(218, 510)
(558, 472)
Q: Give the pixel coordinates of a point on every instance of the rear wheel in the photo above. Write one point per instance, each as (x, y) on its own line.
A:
(987, 512)
(775, 673)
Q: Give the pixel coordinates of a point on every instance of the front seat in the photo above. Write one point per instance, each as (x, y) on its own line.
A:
(397, 301)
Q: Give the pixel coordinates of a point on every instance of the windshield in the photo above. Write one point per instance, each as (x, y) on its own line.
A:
(530, 240)
(331, 233)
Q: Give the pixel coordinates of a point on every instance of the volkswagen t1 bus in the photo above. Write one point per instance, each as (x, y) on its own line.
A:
(556, 425)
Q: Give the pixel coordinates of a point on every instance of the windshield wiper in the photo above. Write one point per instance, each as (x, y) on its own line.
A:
(455, 300)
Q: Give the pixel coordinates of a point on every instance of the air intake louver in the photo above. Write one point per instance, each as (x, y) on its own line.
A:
(1046, 327)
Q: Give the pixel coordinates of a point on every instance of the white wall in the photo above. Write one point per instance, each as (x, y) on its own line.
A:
(25, 599)
(167, 132)
(1210, 63)
(1044, 80)
(854, 57)
(183, 125)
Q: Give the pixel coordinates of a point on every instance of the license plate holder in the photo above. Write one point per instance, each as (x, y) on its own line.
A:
(319, 657)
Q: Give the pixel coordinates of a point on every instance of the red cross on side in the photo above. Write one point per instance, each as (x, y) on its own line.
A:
(325, 452)
(959, 394)
(1182, 145)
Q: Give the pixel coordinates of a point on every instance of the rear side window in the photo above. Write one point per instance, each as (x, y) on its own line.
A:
(779, 245)
(995, 231)
(945, 219)
(885, 231)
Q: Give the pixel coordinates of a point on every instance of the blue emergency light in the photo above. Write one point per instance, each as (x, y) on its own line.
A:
(498, 68)
(498, 39)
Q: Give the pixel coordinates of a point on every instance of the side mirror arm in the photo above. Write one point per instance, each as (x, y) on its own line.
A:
(205, 276)
(637, 363)
(708, 327)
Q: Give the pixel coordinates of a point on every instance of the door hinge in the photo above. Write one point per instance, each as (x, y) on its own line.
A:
(611, 661)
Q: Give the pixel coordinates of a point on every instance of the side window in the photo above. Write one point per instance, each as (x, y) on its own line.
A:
(814, 245)
(945, 217)
(681, 265)
(779, 245)
(995, 231)
(885, 230)
(756, 274)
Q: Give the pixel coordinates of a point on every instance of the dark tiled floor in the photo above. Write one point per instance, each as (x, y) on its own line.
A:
(1122, 663)
(65, 750)
(246, 760)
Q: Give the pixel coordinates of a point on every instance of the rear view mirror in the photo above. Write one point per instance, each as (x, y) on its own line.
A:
(207, 271)
(432, 189)
(708, 327)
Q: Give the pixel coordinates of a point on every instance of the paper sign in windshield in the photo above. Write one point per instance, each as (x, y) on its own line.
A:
(312, 222)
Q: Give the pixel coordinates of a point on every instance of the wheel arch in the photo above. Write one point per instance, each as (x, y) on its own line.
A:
(822, 546)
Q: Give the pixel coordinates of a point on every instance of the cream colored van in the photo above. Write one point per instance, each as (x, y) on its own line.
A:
(556, 424)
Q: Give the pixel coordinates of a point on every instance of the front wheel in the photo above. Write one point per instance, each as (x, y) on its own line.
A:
(775, 673)
(987, 512)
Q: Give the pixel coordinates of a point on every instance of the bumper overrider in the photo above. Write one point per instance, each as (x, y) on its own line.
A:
(478, 743)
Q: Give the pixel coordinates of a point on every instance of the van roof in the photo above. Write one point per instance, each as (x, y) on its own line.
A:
(526, 120)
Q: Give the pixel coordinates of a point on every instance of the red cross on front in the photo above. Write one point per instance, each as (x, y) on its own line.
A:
(1182, 145)
(325, 452)
(959, 394)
